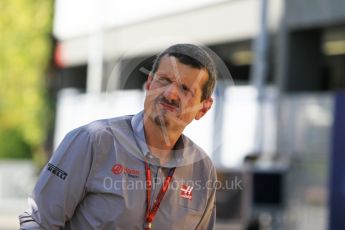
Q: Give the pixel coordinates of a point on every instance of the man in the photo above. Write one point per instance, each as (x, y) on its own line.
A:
(136, 172)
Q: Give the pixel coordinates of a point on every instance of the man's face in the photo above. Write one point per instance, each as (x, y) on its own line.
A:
(174, 93)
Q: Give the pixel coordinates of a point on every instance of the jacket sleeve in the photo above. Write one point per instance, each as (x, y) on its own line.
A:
(208, 219)
(61, 184)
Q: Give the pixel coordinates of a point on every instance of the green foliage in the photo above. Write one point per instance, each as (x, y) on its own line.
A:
(13, 145)
(25, 27)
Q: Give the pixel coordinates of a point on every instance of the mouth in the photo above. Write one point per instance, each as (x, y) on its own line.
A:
(169, 107)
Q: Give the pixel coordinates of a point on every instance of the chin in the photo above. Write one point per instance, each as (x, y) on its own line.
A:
(161, 120)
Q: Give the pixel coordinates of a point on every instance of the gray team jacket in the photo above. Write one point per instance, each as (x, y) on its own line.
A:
(96, 180)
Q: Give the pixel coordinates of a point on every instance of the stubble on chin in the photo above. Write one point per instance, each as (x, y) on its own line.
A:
(160, 119)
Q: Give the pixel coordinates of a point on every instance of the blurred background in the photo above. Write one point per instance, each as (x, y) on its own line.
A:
(278, 123)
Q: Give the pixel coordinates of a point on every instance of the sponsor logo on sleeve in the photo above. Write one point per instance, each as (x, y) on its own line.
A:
(57, 171)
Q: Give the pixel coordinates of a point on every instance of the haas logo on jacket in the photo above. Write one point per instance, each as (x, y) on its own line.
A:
(186, 192)
(119, 169)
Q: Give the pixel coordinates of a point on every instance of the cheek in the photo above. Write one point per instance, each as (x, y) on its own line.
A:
(190, 108)
(151, 95)
(155, 90)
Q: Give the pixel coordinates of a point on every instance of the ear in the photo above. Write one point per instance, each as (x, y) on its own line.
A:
(148, 82)
(206, 105)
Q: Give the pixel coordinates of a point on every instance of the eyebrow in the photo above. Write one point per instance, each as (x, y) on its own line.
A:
(160, 75)
(165, 76)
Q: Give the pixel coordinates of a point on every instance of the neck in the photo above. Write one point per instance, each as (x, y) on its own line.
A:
(160, 140)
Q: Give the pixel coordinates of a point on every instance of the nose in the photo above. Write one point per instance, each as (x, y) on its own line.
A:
(172, 92)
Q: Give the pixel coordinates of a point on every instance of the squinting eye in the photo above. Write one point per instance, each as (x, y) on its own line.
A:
(185, 88)
(163, 81)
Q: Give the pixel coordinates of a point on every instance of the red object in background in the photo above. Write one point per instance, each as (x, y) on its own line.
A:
(58, 56)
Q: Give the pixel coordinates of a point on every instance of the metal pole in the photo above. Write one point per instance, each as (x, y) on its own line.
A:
(259, 73)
